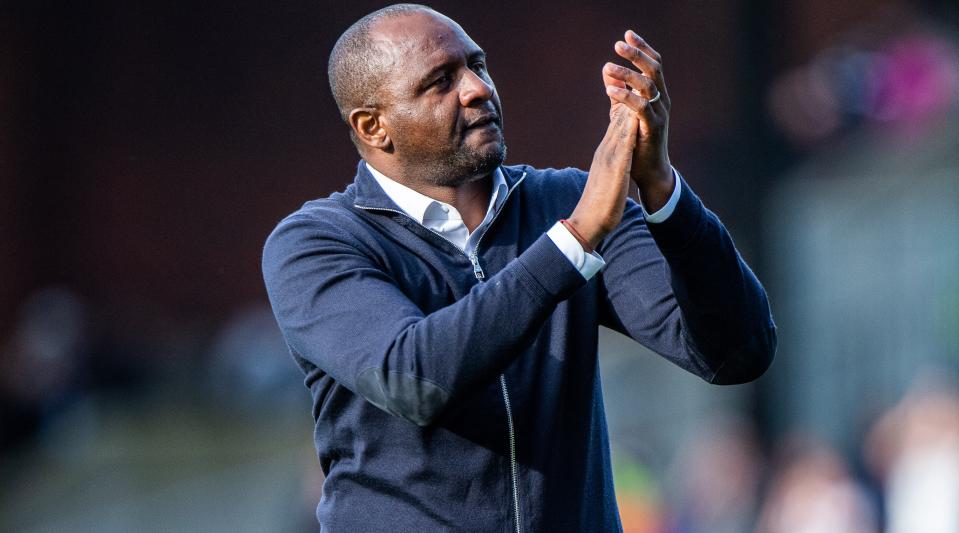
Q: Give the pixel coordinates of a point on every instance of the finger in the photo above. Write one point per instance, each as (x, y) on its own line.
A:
(634, 39)
(647, 65)
(640, 59)
(650, 122)
(645, 86)
(635, 102)
(611, 81)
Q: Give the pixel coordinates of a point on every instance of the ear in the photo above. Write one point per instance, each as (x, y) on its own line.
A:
(368, 126)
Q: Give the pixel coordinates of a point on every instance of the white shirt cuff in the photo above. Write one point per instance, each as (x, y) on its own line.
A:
(588, 264)
(666, 210)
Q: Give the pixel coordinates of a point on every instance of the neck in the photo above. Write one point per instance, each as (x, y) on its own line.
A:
(470, 195)
(471, 199)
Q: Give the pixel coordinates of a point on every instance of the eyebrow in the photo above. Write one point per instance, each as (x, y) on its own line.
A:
(445, 65)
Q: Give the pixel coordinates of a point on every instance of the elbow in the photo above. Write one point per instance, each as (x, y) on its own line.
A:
(409, 397)
(750, 361)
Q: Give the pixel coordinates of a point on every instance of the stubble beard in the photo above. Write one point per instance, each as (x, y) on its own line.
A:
(458, 167)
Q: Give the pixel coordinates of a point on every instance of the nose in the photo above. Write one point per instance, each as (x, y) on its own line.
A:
(475, 89)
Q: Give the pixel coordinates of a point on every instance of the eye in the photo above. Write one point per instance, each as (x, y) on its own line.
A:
(441, 81)
(478, 66)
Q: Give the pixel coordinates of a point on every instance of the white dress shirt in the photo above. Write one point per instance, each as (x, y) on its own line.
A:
(445, 220)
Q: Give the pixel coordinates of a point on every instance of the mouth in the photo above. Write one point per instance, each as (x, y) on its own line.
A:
(483, 121)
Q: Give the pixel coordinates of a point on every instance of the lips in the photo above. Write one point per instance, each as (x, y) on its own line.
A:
(483, 120)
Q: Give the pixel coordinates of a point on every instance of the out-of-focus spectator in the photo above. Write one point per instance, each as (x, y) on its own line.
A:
(812, 491)
(914, 450)
(39, 366)
(719, 474)
(638, 496)
(896, 69)
(250, 362)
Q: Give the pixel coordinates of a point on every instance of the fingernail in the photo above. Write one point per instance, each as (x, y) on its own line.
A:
(621, 46)
(635, 35)
(612, 90)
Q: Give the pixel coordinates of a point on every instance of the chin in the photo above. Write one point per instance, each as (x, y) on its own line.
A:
(464, 166)
(488, 160)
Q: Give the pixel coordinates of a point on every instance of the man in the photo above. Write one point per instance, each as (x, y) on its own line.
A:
(445, 307)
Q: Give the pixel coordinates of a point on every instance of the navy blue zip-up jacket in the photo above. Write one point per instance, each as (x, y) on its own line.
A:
(454, 398)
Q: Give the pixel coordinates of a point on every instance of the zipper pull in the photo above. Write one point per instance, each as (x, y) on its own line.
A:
(477, 269)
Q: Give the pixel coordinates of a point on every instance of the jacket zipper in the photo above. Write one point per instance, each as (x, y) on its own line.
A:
(478, 272)
(512, 452)
(477, 269)
(480, 275)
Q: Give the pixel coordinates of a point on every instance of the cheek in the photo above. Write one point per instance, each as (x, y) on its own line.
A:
(446, 118)
(432, 122)
(439, 120)
(403, 125)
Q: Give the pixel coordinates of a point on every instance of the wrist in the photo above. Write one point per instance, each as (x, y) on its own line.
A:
(588, 234)
(659, 176)
(583, 241)
(655, 188)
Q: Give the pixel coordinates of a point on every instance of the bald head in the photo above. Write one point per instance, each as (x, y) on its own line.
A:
(357, 65)
(415, 91)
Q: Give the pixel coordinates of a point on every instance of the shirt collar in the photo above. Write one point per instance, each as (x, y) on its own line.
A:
(417, 204)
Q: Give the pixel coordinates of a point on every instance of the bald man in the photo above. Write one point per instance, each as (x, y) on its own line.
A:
(445, 307)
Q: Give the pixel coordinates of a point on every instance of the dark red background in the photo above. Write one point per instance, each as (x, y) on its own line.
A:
(147, 148)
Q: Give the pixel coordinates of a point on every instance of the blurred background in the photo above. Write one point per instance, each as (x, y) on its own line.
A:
(147, 148)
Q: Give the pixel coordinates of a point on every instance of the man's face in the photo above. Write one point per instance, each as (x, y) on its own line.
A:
(438, 102)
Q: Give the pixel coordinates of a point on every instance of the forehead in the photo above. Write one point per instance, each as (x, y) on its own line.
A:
(418, 41)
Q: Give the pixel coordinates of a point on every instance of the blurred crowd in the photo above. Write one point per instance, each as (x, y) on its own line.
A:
(898, 73)
(63, 348)
(895, 67)
(903, 478)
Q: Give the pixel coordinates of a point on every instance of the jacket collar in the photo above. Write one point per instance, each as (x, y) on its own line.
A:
(369, 194)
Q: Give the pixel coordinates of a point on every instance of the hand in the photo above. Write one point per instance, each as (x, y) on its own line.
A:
(650, 168)
(601, 206)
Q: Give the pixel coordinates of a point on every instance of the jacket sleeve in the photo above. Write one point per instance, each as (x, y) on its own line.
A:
(681, 289)
(340, 310)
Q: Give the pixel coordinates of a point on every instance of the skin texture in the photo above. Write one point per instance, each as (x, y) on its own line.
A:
(437, 124)
(651, 170)
(601, 207)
